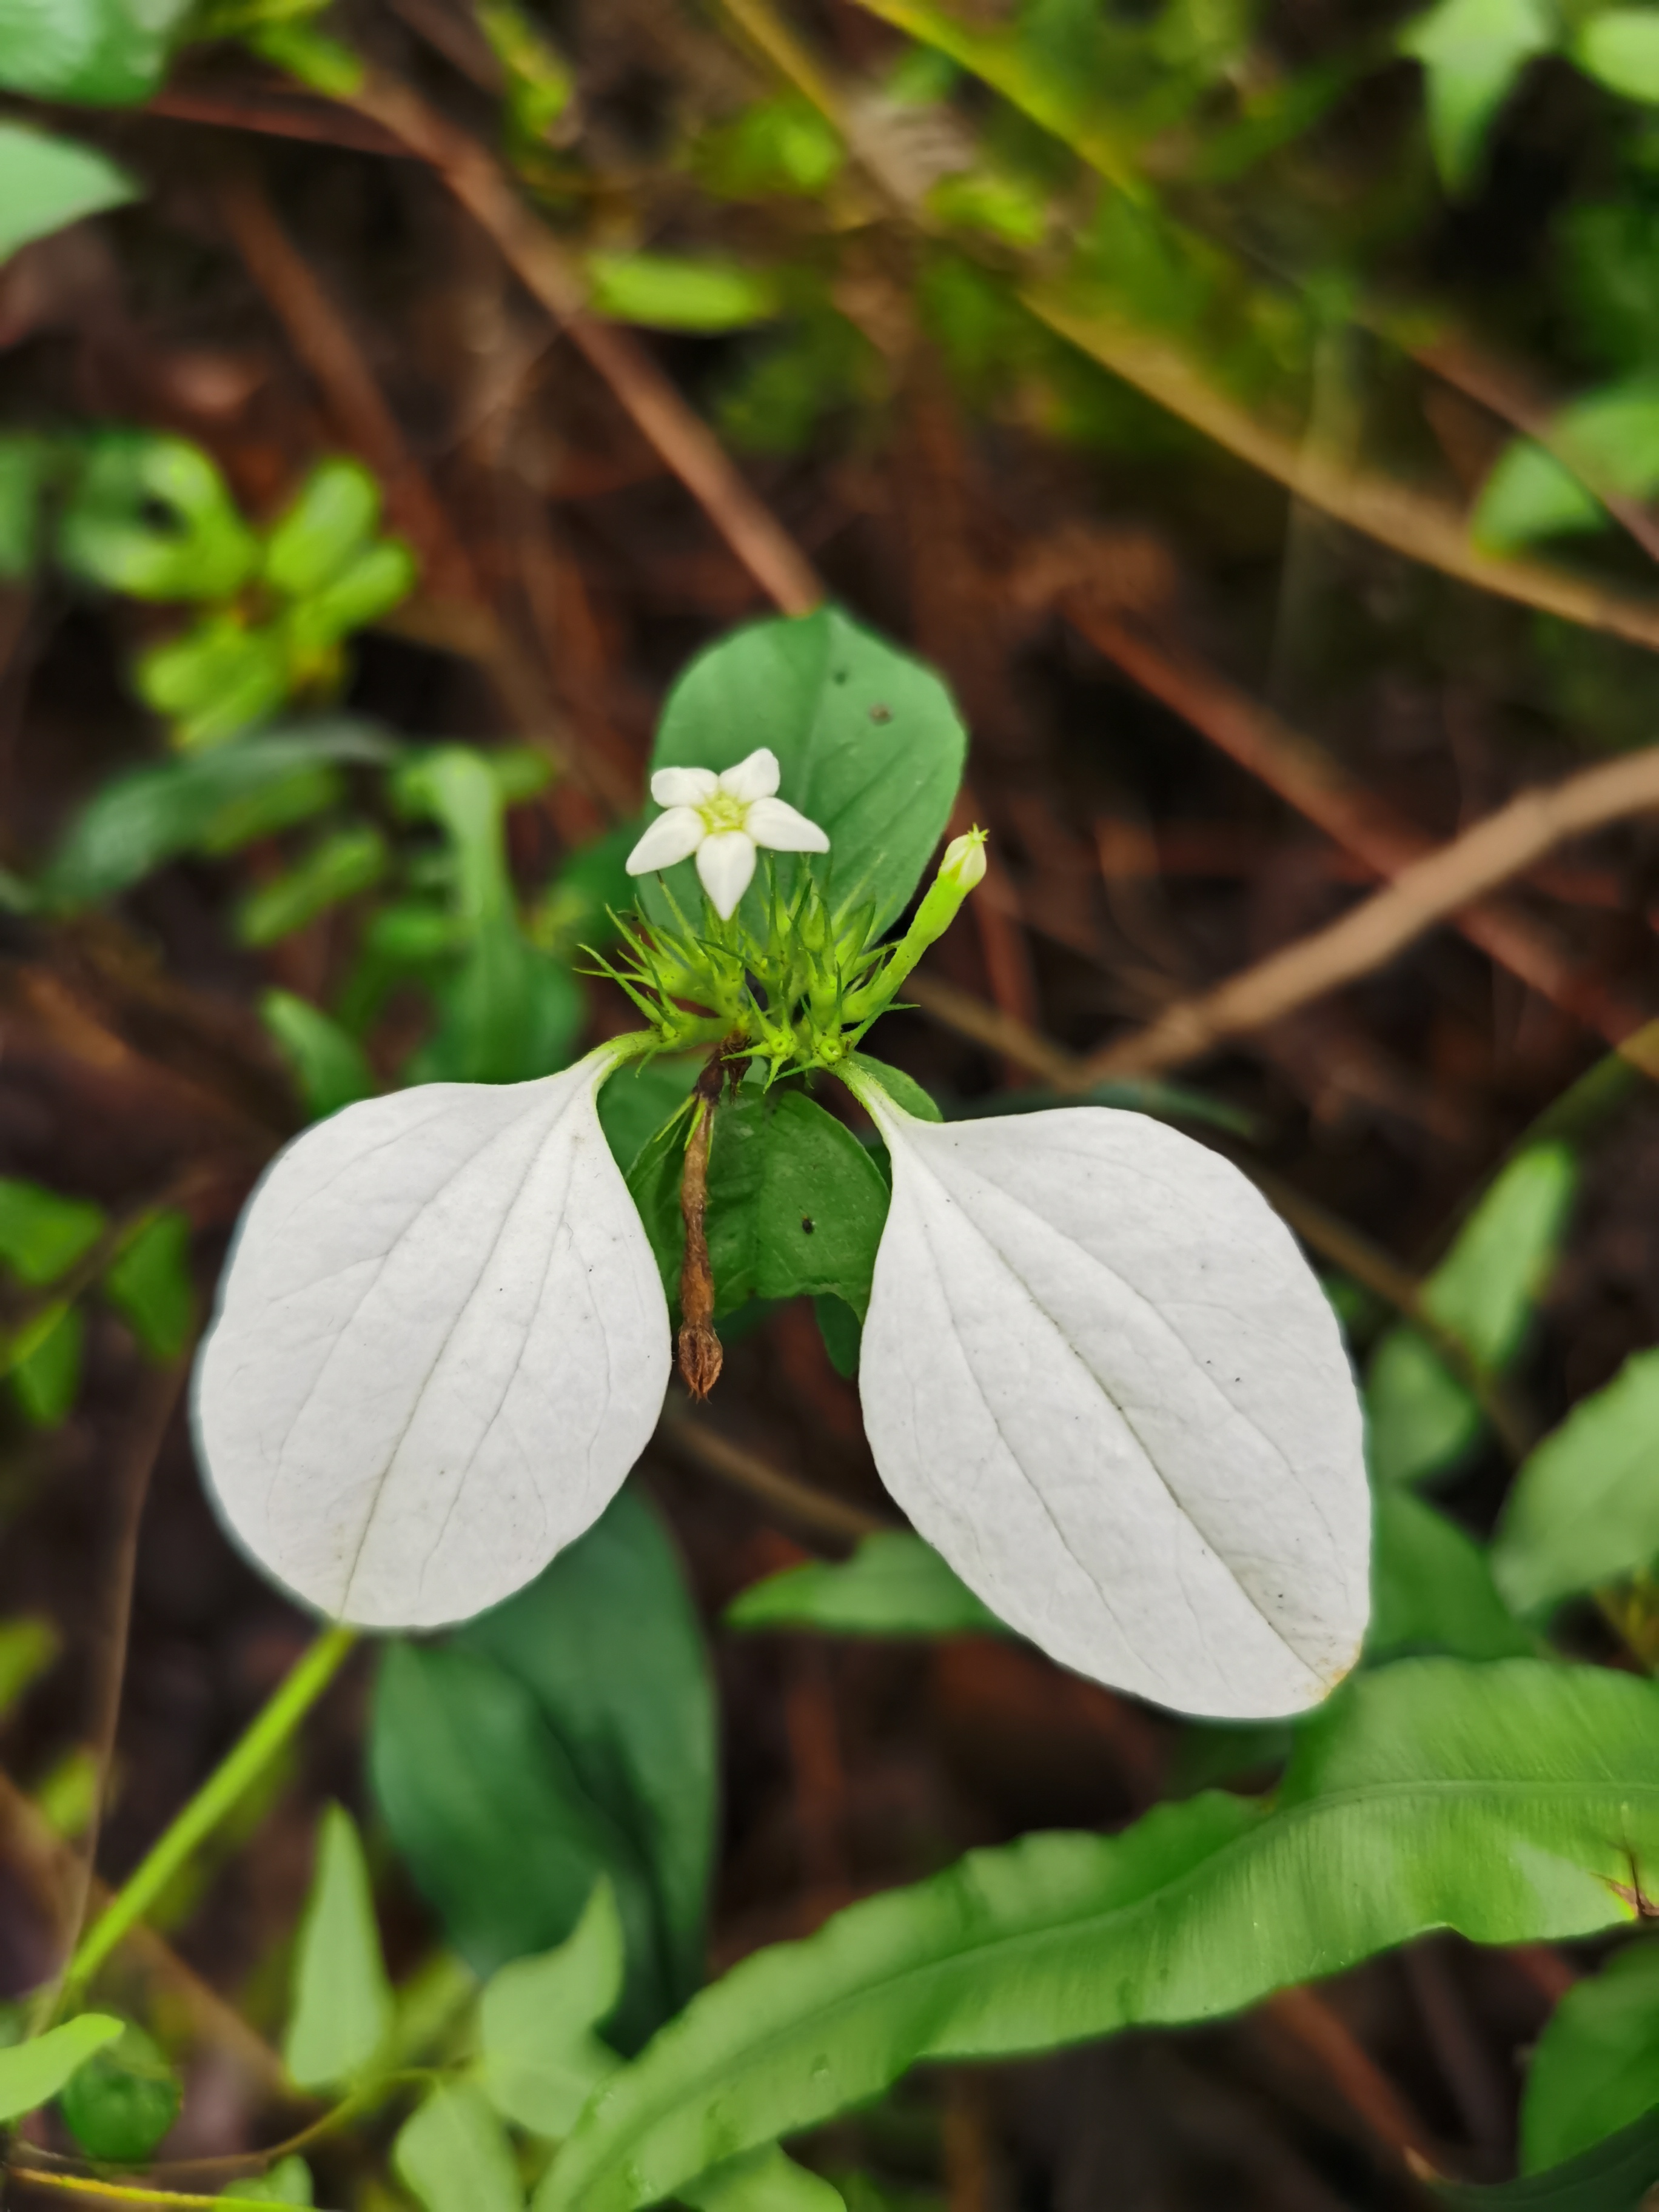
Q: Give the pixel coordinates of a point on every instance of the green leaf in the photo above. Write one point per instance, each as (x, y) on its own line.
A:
(329, 1067)
(762, 2181)
(782, 145)
(339, 867)
(370, 584)
(796, 1204)
(638, 1099)
(121, 2103)
(26, 464)
(215, 802)
(454, 2156)
(150, 515)
(903, 1090)
(507, 1014)
(540, 2059)
(342, 2007)
(608, 1642)
(216, 680)
(1421, 1418)
(893, 1585)
(46, 1367)
(29, 1648)
(868, 740)
(45, 184)
(1610, 439)
(108, 52)
(1530, 495)
(843, 1332)
(334, 514)
(1505, 1802)
(1584, 1507)
(1432, 1588)
(32, 2072)
(1594, 2068)
(1620, 49)
(42, 1235)
(148, 1283)
(324, 64)
(668, 292)
(1615, 2176)
(289, 2182)
(1474, 52)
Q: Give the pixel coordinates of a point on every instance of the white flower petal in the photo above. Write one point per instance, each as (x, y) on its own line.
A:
(754, 778)
(774, 823)
(441, 1344)
(725, 862)
(1101, 1379)
(673, 836)
(684, 786)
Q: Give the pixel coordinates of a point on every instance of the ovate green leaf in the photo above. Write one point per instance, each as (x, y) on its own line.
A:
(42, 1235)
(665, 293)
(148, 1283)
(329, 1067)
(1432, 1588)
(343, 2005)
(869, 742)
(1505, 1802)
(1619, 47)
(105, 51)
(762, 2181)
(120, 2103)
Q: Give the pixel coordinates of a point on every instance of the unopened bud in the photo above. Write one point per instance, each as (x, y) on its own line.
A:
(963, 865)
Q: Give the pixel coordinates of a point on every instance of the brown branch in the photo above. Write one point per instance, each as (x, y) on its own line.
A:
(1304, 775)
(1309, 2022)
(1421, 526)
(1425, 893)
(695, 1439)
(649, 397)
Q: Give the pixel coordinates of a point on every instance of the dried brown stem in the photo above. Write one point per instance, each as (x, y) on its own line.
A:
(700, 1353)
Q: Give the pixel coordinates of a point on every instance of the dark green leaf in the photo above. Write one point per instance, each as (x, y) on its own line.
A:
(121, 2103)
(869, 742)
(343, 864)
(1584, 1508)
(1472, 52)
(796, 1204)
(608, 1644)
(341, 2008)
(46, 184)
(42, 1235)
(1615, 2176)
(1433, 1589)
(638, 1100)
(1505, 1800)
(843, 1332)
(45, 1364)
(893, 1585)
(148, 1283)
(1594, 2069)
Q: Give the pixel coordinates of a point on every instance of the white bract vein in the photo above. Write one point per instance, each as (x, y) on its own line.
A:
(722, 819)
(441, 1343)
(1101, 1379)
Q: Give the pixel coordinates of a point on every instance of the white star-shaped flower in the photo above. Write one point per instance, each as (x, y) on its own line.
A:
(722, 819)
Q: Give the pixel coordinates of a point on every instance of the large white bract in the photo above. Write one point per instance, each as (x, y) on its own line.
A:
(441, 1343)
(1101, 1379)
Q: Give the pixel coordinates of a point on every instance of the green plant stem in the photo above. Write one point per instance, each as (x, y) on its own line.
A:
(131, 2192)
(217, 1797)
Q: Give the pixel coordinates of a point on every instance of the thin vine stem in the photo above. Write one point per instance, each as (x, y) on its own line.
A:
(218, 1795)
(132, 2192)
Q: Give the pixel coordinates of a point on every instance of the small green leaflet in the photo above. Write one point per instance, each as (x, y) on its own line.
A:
(1473, 52)
(1432, 1588)
(1584, 1506)
(454, 2156)
(666, 293)
(1504, 1801)
(894, 1585)
(32, 2072)
(329, 1067)
(1619, 47)
(108, 52)
(42, 1235)
(1607, 441)
(46, 184)
(343, 2005)
(540, 2059)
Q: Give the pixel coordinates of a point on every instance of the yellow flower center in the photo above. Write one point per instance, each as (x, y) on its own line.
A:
(723, 813)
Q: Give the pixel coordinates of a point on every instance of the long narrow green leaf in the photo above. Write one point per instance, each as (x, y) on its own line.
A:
(1509, 1801)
